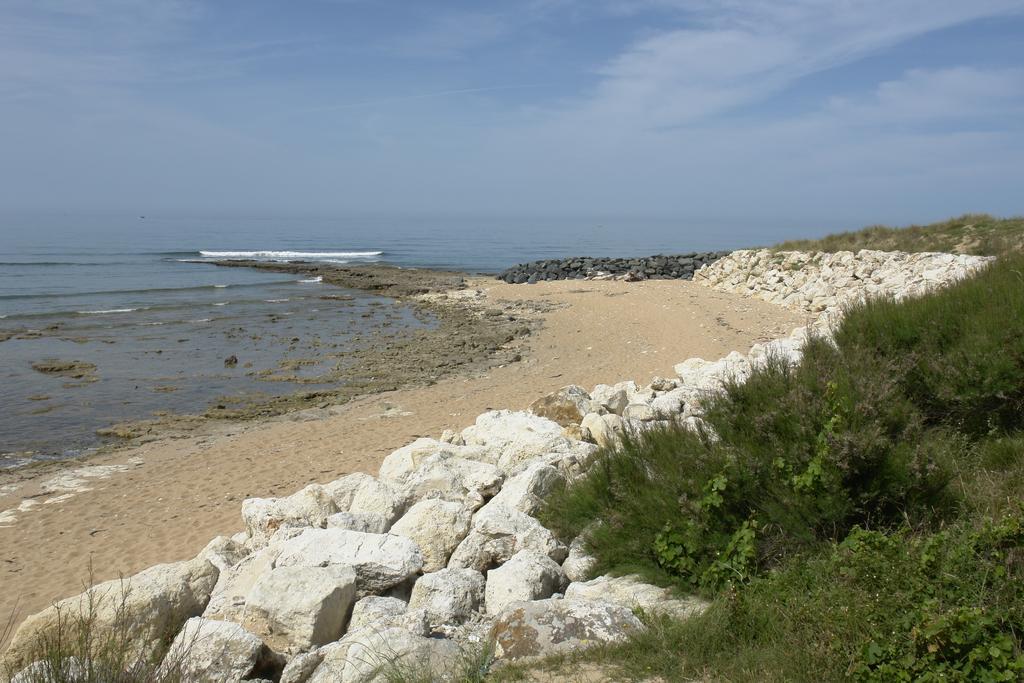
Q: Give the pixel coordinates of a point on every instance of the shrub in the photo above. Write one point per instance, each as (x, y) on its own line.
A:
(867, 431)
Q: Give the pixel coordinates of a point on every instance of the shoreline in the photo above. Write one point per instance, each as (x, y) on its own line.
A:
(412, 358)
(162, 500)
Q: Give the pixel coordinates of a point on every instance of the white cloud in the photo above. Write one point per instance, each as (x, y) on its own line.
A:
(937, 95)
(735, 52)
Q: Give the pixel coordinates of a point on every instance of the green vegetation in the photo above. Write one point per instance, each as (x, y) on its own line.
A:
(978, 234)
(858, 516)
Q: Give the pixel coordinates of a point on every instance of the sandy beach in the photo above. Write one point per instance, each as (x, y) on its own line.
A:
(163, 501)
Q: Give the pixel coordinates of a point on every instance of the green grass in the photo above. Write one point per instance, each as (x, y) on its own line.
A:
(978, 234)
(859, 515)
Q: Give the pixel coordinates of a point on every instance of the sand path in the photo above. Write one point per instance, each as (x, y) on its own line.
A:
(163, 501)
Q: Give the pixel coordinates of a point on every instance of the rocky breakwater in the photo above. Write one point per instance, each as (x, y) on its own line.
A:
(660, 267)
(442, 552)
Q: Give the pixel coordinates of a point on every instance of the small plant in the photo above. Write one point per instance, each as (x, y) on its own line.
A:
(78, 648)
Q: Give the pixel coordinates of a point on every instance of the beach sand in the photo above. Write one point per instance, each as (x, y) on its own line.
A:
(164, 500)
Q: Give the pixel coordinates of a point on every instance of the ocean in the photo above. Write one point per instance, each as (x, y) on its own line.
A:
(134, 299)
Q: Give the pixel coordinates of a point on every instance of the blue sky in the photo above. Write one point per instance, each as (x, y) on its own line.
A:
(837, 112)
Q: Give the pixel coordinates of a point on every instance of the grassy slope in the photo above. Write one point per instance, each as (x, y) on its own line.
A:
(881, 481)
(978, 234)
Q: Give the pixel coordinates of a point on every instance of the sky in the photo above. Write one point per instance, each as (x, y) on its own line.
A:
(824, 112)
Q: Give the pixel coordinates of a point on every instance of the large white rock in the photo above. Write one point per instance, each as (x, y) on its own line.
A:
(227, 600)
(437, 527)
(362, 493)
(309, 507)
(454, 479)
(512, 438)
(671, 404)
(208, 651)
(579, 564)
(375, 609)
(397, 466)
(302, 666)
(697, 373)
(605, 430)
(295, 609)
(377, 655)
(381, 561)
(631, 591)
(527, 576)
(366, 522)
(498, 533)
(450, 596)
(223, 552)
(554, 626)
(526, 491)
(639, 411)
(153, 603)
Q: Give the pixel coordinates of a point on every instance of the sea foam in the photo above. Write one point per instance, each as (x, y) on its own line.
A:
(287, 255)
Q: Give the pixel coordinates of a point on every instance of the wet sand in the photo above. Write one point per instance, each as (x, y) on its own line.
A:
(164, 500)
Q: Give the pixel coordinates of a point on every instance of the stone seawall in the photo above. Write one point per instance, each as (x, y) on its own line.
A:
(660, 267)
(817, 282)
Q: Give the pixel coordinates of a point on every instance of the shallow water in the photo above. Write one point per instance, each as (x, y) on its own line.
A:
(134, 296)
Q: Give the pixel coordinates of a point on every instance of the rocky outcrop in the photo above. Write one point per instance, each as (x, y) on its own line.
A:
(660, 267)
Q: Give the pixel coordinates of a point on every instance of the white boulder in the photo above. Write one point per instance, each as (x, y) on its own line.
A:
(362, 493)
(631, 591)
(208, 651)
(527, 576)
(437, 527)
(498, 533)
(453, 479)
(150, 604)
(605, 430)
(381, 561)
(526, 491)
(377, 655)
(375, 609)
(450, 596)
(397, 466)
(366, 522)
(579, 564)
(512, 438)
(555, 626)
(309, 507)
(295, 609)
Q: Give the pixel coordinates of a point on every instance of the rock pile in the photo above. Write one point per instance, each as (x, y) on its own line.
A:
(660, 267)
(442, 551)
(818, 282)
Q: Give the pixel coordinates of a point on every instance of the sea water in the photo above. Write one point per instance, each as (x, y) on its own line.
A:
(136, 296)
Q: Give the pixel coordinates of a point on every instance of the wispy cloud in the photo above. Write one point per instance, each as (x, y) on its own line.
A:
(421, 96)
(736, 52)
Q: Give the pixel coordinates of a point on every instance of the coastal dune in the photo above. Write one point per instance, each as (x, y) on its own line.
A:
(163, 501)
